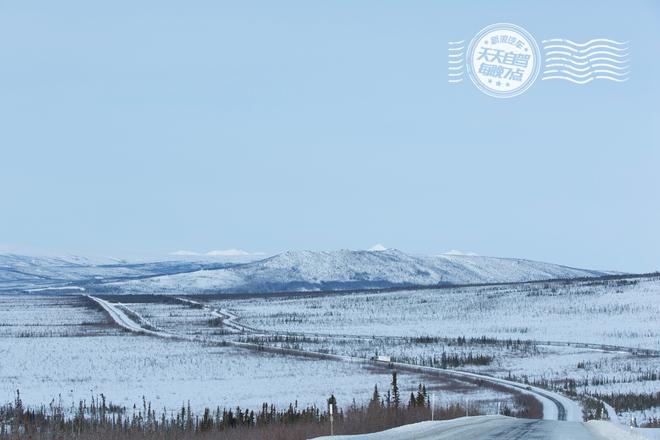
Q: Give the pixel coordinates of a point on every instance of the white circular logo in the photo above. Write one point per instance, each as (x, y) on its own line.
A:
(503, 60)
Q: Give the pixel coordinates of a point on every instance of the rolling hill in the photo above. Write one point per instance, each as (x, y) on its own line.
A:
(348, 269)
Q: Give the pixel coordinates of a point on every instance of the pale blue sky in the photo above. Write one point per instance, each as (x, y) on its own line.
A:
(146, 127)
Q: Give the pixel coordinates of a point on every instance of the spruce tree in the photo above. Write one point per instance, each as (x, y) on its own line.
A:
(396, 397)
(375, 398)
(421, 395)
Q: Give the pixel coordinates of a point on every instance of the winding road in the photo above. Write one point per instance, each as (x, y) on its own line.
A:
(555, 406)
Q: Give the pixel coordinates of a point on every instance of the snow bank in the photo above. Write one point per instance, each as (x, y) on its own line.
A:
(611, 431)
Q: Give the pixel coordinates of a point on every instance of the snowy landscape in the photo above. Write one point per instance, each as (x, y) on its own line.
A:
(343, 220)
(487, 334)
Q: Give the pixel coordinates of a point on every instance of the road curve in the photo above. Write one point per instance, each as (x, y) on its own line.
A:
(491, 428)
(555, 406)
(229, 319)
(236, 323)
(124, 321)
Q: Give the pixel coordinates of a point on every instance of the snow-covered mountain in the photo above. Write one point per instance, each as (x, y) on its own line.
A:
(38, 273)
(346, 269)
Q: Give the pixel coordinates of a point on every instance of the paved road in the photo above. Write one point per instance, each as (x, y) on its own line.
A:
(229, 318)
(488, 428)
(123, 320)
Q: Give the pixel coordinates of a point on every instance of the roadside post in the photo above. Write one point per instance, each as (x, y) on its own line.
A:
(332, 427)
(432, 405)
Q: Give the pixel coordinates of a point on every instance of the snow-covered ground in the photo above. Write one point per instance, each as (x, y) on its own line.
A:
(170, 373)
(64, 344)
(29, 316)
(592, 370)
(81, 361)
(617, 312)
(649, 433)
(126, 317)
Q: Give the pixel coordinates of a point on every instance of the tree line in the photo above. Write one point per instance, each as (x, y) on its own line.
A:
(99, 419)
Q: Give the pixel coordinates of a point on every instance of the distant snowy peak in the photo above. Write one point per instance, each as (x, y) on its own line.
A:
(228, 253)
(349, 269)
(184, 253)
(215, 253)
(460, 253)
(377, 248)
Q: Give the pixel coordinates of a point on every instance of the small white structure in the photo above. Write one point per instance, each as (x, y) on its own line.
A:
(385, 359)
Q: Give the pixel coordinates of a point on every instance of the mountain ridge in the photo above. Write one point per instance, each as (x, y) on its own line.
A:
(351, 269)
(299, 270)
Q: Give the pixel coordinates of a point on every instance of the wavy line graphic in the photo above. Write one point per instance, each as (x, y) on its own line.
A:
(587, 50)
(585, 63)
(578, 69)
(581, 63)
(590, 42)
(586, 57)
(585, 75)
(588, 80)
(455, 61)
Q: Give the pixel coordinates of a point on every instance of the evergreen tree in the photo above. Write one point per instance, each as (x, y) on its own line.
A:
(207, 422)
(375, 398)
(396, 397)
(420, 400)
